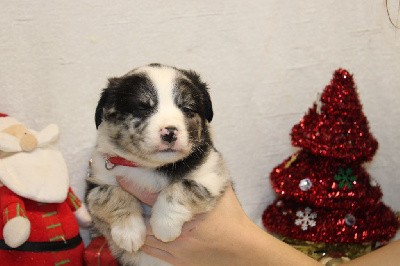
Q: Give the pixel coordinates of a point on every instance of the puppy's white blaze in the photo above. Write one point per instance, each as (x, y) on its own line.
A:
(168, 114)
(163, 79)
(207, 174)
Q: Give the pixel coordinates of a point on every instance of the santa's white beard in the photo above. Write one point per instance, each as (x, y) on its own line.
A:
(40, 175)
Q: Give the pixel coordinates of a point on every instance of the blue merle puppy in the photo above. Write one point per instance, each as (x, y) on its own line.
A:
(153, 130)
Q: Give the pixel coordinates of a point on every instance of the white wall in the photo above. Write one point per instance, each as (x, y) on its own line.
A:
(264, 61)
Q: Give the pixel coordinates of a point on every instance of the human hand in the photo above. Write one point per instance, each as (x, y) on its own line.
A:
(143, 195)
(205, 240)
(222, 236)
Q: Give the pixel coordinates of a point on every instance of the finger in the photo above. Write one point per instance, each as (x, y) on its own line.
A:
(124, 184)
(152, 241)
(158, 253)
(143, 195)
(149, 231)
(127, 185)
(149, 198)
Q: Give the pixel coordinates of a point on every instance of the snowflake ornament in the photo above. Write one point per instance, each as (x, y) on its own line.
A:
(305, 219)
(345, 178)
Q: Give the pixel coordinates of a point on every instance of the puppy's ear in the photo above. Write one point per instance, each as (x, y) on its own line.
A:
(99, 109)
(206, 99)
(208, 110)
(112, 83)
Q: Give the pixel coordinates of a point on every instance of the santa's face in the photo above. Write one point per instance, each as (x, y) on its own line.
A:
(31, 166)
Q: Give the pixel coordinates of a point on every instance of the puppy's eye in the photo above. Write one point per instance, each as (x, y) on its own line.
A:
(190, 111)
(143, 106)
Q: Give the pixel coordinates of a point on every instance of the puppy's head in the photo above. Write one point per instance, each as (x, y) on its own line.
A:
(154, 115)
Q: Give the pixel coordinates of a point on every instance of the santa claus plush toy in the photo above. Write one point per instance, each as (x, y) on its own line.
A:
(39, 211)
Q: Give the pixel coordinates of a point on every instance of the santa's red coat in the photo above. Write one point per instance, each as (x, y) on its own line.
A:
(52, 224)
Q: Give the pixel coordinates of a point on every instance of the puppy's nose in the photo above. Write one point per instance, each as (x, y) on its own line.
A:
(168, 134)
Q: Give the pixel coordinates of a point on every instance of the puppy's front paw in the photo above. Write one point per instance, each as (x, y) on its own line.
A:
(165, 228)
(129, 233)
(167, 220)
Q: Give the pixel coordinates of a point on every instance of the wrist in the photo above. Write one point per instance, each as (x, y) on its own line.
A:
(255, 246)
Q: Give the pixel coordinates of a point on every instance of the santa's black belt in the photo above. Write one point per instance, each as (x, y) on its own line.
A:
(45, 246)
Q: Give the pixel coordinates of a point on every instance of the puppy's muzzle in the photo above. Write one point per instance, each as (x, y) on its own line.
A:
(169, 134)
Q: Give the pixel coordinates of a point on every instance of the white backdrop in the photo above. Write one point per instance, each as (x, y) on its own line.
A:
(264, 61)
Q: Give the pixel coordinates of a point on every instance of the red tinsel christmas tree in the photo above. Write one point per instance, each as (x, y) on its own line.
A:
(326, 202)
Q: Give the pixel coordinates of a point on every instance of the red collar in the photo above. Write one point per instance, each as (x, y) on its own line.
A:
(111, 162)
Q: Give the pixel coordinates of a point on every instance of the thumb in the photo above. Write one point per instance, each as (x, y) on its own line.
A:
(142, 194)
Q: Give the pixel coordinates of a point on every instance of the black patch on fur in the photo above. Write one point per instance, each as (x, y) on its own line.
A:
(89, 187)
(178, 170)
(103, 189)
(199, 191)
(131, 95)
(198, 93)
